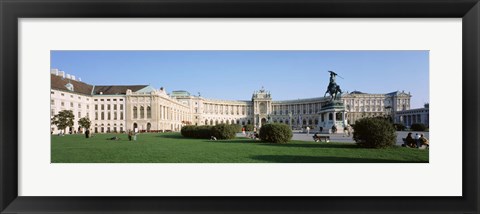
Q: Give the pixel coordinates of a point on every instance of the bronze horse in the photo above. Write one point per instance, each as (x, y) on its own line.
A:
(333, 89)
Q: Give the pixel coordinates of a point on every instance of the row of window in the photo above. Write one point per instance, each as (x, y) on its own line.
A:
(71, 96)
(142, 112)
(52, 102)
(108, 100)
(109, 106)
(102, 115)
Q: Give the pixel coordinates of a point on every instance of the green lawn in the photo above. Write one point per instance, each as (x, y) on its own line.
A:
(173, 148)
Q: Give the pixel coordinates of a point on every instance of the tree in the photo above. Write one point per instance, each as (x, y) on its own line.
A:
(84, 122)
(63, 119)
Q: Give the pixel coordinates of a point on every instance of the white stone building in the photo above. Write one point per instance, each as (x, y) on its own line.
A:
(118, 108)
(412, 116)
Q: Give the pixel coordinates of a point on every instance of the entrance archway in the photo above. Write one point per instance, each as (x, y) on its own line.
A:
(264, 121)
(135, 126)
(148, 127)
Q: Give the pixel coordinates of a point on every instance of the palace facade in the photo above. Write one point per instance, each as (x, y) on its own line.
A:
(118, 108)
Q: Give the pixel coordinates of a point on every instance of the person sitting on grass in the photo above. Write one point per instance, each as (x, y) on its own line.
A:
(424, 141)
(410, 141)
(114, 138)
(213, 138)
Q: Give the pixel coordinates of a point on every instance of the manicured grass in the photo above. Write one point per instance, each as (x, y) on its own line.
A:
(173, 148)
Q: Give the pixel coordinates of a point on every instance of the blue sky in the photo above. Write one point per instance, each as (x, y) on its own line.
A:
(234, 75)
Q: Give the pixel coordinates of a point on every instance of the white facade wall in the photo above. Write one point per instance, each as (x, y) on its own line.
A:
(109, 113)
(79, 104)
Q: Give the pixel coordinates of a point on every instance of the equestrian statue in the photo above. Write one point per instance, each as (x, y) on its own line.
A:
(333, 89)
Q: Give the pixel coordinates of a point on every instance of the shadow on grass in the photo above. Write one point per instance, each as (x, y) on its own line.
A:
(173, 136)
(316, 145)
(323, 159)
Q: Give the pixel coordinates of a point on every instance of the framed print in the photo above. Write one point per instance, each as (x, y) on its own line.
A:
(227, 106)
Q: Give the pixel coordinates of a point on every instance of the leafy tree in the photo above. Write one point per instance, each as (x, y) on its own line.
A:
(63, 119)
(84, 122)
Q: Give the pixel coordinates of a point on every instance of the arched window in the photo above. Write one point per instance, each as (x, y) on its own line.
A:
(233, 122)
(142, 112)
(135, 112)
(149, 112)
(211, 122)
(206, 122)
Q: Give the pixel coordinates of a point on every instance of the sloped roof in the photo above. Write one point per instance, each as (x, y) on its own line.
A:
(116, 89)
(60, 83)
(357, 92)
(147, 89)
(398, 93)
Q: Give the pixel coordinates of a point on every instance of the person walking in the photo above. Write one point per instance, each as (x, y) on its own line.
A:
(308, 131)
(87, 133)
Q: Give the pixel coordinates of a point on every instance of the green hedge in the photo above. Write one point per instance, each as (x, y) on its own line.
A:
(275, 133)
(221, 131)
(399, 127)
(374, 133)
(238, 127)
(224, 131)
(418, 127)
(197, 131)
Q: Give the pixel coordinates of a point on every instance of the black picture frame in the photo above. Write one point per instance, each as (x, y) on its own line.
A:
(12, 10)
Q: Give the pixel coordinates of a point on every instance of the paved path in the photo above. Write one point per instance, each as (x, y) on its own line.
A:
(345, 139)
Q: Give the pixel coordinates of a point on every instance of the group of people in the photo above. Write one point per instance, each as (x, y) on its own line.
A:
(416, 142)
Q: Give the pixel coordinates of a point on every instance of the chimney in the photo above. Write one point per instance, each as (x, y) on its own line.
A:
(73, 77)
(79, 79)
(61, 73)
(68, 76)
(54, 71)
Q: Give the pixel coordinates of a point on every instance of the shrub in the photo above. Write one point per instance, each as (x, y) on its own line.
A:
(249, 128)
(237, 127)
(374, 133)
(224, 131)
(418, 127)
(399, 127)
(275, 133)
(197, 131)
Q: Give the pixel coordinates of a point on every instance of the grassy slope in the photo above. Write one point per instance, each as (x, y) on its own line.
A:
(173, 148)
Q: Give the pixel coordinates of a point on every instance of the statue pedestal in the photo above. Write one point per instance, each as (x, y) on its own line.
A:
(332, 114)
